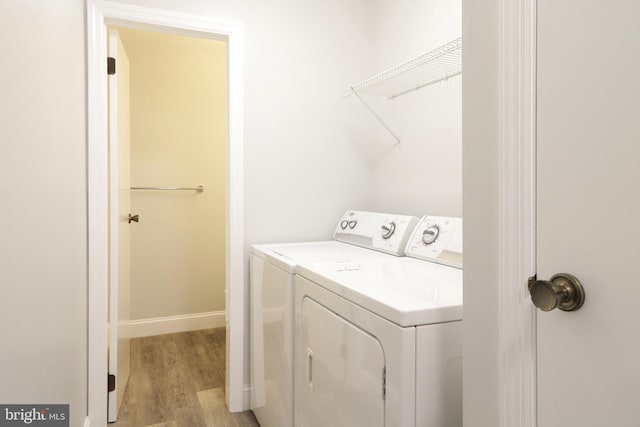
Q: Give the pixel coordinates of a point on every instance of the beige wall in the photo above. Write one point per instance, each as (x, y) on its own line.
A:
(178, 139)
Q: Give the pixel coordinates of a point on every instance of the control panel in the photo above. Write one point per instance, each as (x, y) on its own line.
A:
(437, 239)
(378, 231)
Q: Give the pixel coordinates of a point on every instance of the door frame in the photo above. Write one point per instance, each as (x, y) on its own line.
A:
(517, 344)
(101, 13)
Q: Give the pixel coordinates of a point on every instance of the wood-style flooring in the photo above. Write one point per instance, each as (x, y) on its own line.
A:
(177, 380)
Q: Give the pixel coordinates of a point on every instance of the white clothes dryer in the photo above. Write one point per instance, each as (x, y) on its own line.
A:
(378, 341)
(358, 236)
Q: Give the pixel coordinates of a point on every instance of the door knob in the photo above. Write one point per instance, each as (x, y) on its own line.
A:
(563, 291)
(134, 218)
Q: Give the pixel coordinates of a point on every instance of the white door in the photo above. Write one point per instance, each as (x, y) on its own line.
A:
(119, 231)
(589, 210)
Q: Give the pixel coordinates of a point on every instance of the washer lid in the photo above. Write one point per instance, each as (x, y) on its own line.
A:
(406, 291)
(287, 256)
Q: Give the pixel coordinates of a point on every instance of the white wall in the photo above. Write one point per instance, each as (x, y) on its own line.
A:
(299, 56)
(43, 247)
(178, 138)
(480, 135)
(423, 174)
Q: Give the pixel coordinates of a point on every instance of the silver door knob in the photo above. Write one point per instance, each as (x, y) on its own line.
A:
(134, 218)
(563, 291)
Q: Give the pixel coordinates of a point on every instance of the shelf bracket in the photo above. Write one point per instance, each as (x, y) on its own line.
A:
(378, 118)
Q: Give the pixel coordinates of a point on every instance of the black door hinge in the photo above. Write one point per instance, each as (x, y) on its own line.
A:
(111, 65)
(111, 383)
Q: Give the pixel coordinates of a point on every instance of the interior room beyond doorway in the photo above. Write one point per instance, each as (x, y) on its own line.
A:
(177, 187)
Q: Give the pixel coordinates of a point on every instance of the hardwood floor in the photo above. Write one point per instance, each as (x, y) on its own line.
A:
(177, 380)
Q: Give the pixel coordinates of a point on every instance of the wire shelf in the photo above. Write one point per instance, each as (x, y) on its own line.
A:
(431, 67)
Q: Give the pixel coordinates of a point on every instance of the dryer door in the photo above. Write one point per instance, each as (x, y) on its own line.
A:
(342, 381)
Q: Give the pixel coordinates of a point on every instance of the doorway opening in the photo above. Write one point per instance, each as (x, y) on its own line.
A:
(99, 15)
(167, 142)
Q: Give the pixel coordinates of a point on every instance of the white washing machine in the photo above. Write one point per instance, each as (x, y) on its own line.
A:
(378, 341)
(358, 236)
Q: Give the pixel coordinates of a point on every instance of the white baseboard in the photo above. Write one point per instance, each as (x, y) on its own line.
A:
(173, 324)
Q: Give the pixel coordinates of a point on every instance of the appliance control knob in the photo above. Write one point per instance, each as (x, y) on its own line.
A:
(430, 234)
(353, 223)
(344, 224)
(388, 229)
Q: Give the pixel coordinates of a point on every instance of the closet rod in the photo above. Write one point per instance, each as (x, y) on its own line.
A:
(199, 188)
